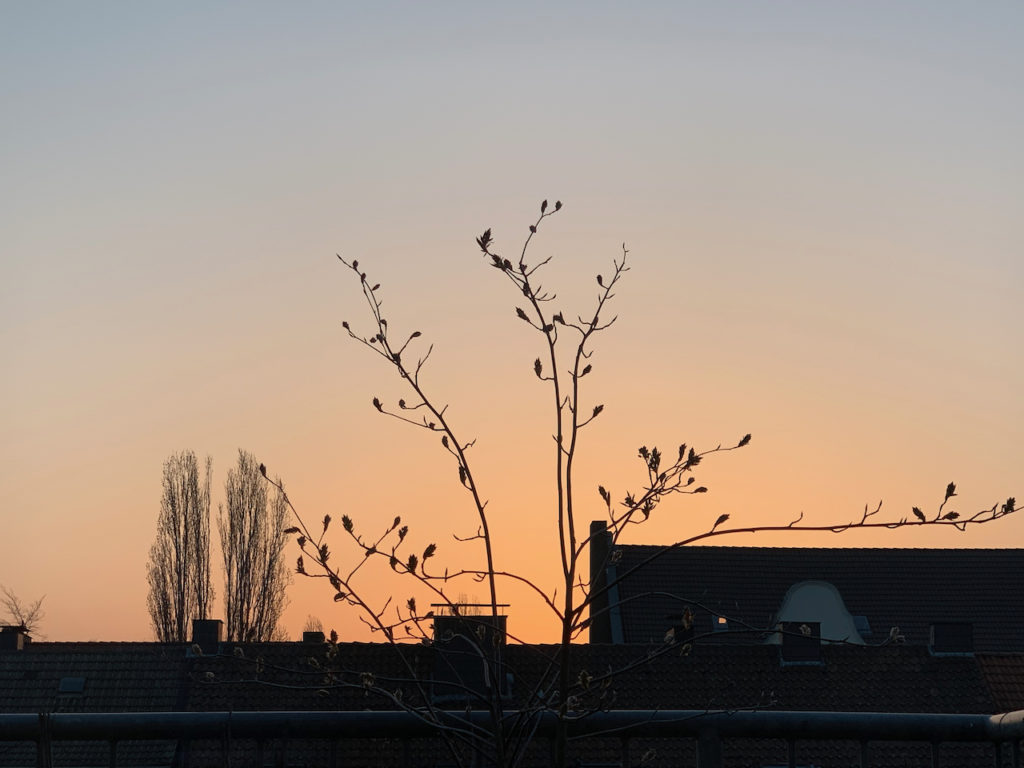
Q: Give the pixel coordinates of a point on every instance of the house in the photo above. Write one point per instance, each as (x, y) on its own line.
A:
(960, 600)
(211, 675)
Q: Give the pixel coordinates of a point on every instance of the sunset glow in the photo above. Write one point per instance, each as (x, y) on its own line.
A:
(822, 204)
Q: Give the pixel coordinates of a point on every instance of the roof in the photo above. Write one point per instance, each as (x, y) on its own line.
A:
(319, 676)
(92, 677)
(1004, 675)
(906, 588)
(304, 676)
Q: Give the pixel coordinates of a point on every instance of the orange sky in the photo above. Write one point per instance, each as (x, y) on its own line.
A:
(822, 204)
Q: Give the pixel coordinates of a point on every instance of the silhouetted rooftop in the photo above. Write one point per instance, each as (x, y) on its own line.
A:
(906, 588)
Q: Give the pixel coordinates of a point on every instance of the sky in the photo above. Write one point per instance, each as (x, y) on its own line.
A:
(822, 203)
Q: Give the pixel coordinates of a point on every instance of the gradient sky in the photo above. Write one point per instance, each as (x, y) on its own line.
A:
(823, 203)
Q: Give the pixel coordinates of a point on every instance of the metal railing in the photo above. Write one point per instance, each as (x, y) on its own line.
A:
(707, 729)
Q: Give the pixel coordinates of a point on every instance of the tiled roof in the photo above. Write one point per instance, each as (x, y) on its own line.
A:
(115, 677)
(905, 588)
(299, 676)
(897, 678)
(1004, 674)
(92, 677)
(304, 676)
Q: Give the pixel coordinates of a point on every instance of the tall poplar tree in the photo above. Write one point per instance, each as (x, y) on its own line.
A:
(178, 571)
(252, 539)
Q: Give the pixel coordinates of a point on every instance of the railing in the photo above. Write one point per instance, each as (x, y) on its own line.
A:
(708, 728)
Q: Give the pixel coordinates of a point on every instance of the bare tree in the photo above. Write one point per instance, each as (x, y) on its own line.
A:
(27, 615)
(252, 540)
(178, 572)
(566, 344)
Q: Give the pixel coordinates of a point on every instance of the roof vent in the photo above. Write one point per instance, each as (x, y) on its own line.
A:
(951, 637)
(801, 642)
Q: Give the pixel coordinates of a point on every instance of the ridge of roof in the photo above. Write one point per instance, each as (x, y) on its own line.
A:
(692, 547)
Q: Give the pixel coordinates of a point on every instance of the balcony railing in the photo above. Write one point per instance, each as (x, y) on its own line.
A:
(707, 730)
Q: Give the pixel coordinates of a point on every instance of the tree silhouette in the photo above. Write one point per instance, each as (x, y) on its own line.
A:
(28, 615)
(178, 571)
(566, 343)
(251, 525)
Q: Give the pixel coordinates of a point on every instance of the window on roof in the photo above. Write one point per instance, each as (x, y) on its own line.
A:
(720, 623)
(71, 685)
(862, 625)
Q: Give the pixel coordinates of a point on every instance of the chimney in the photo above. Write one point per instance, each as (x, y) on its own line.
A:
(951, 637)
(313, 637)
(14, 638)
(469, 642)
(600, 552)
(208, 634)
(801, 642)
